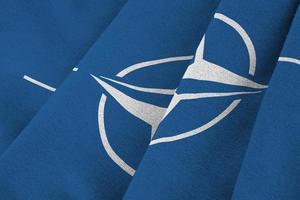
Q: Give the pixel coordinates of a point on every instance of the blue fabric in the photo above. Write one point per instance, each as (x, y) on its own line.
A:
(206, 165)
(151, 100)
(43, 40)
(270, 169)
(60, 155)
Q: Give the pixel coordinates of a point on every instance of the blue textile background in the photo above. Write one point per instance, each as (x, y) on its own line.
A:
(270, 168)
(43, 40)
(206, 165)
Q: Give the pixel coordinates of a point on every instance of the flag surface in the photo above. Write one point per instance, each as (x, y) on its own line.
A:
(270, 168)
(198, 148)
(154, 100)
(88, 139)
(41, 42)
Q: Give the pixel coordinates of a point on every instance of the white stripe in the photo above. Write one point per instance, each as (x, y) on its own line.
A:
(200, 129)
(134, 67)
(143, 89)
(36, 82)
(289, 59)
(187, 96)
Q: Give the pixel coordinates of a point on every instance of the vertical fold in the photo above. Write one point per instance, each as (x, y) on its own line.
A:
(198, 148)
(270, 169)
(88, 139)
(41, 41)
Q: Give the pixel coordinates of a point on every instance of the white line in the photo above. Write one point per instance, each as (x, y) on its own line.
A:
(200, 129)
(289, 59)
(151, 62)
(188, 96)
(36, 82)
(143, 89)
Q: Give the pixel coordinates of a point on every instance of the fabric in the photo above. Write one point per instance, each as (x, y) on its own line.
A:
(151, 100)
(270, 168)
(133, 68)
(199, 146)
(41, 41)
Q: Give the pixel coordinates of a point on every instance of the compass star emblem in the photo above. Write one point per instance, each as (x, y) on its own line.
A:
(200, 70)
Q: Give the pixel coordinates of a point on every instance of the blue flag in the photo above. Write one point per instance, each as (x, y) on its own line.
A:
(150, 100)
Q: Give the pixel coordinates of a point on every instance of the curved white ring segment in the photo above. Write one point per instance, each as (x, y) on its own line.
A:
(244, 36)
(200, 129)
(289, 59)
(110, 152)
(134, 67)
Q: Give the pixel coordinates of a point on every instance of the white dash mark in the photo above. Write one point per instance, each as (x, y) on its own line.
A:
(36, 82)
(289, 59)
